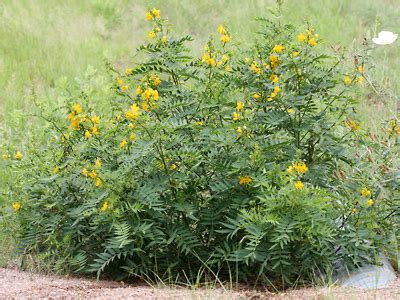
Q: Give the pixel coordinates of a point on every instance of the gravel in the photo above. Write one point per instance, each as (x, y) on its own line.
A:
(15, 284)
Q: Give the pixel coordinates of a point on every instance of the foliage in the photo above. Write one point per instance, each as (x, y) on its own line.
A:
(241, 161)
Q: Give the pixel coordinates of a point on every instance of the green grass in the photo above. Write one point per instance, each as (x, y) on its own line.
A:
(45, 42)
(45, 45)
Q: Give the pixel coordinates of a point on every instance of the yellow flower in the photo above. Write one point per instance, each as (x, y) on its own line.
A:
(301, 37)
(245, 179)
(77, 108)
(312, 42)
(150, 93)
(291, 111)
(151, 34)
(123, 144)
(164, 39)
(296, 53)
(155, 95)
(131, 125)
(225, 38)
(240, 130)
(97, 163)
(354, 210)
(128, 72)
(370, 202)
(16, 206)
(132, 137)
(274, 78)
(56, 170)
(255, 68)
(235, 116)
(353, 125)
(156, 81)
(95, 119)
(274, 61)
(277, 89)
(4, 156)
(75, 123)
(145, 106)
(138, 90)
(269, 99)
(95, 130)
(365, 192)
(92, 174)
(221, 29)
(298, 185)
(360, 79)
(200, 123)
(273, 95)
(290, 169)
(257, 96)
(104, 206)
(88, 134)
(133, 113)
(300, 167)
(239, 105)
(149, 16)
(84, 172)
(120, 81)
(172, 167)
(360, 69)
(208, 59)
(18, 155)
(347, 80)
(98, 182)
(156, 13)
(278, 48)
(124, 88)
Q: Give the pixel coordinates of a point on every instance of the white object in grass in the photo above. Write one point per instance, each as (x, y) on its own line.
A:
(385, 38)
(370, 276)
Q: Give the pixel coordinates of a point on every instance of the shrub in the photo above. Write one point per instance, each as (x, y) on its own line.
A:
(249, 164)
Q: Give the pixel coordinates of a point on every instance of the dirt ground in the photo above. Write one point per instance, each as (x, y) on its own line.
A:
(16, 284)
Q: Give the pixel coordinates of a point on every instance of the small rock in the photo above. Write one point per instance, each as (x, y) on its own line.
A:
(369, 276)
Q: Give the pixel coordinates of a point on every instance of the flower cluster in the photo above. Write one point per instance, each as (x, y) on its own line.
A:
(79, 120)
(366, 193)
(225, 37)
(299, 168)
(154, 15)
(245, 180)
(236, 114)
(74, 117)
(214, 59)
(309, 37)
(92, 174)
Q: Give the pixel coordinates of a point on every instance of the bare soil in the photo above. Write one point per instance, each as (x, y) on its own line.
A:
(15, 284)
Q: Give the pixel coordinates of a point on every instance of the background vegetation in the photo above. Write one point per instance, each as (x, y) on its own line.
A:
(48, 45)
